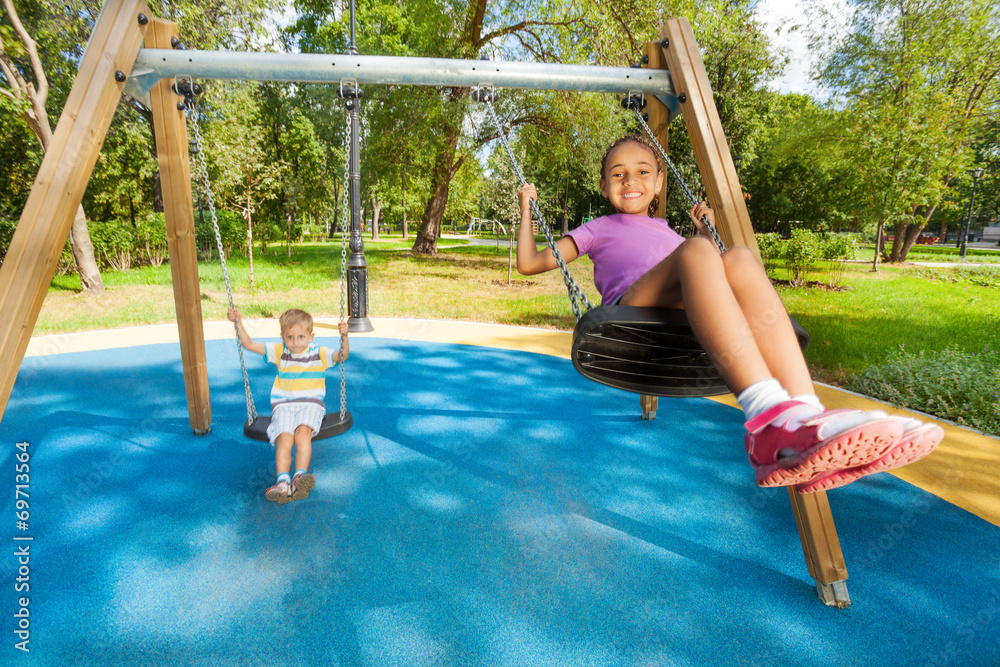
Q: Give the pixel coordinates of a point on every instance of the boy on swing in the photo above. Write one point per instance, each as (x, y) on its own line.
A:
(297, 396)
(791, 439)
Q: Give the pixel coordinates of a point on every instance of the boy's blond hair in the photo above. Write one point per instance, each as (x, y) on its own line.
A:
(294, 316)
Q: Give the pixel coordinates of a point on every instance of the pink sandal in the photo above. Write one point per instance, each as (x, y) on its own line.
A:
(832, 441)
(917, 441)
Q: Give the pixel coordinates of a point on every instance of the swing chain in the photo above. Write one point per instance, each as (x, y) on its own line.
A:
(576, 294)
(202, 170)
(343, 261)
(673, 170)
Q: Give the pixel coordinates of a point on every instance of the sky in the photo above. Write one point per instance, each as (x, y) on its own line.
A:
(775, 13)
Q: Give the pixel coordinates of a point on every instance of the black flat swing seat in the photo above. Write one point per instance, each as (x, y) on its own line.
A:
(649, 351)
(332, 425)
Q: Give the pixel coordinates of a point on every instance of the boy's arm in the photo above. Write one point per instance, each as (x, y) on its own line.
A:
(245, 340)
(341, 355)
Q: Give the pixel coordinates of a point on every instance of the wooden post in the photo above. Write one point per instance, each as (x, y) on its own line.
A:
(62, 178)
(821, 546)
(711, 150)
(648, 404)
(170, 130)
(813, 518)
(658, 116)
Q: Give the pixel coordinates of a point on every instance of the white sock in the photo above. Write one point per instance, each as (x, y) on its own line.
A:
(810, 399)
(760, 396)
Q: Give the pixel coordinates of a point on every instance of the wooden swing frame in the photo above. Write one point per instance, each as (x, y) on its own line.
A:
(125, 26)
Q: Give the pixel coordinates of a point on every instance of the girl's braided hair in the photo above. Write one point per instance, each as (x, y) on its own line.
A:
(643, 141)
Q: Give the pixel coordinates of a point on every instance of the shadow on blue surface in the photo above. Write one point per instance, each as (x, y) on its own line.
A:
(488, 508)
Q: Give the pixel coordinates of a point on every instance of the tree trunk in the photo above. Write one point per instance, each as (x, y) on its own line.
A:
(331, 230)
(897, 241)
(406, 232)
(37, 118)
(376, 217)
(288, 233)
(158, 192)
(943, 234)
(249, 219)
(564, 226)
(444, 169)
(879, 241)
(910, 236)
(83, 255)
(430, 227)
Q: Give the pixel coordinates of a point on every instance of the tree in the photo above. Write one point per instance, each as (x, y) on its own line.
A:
(236, 142)
(27, 87)
(915, 78)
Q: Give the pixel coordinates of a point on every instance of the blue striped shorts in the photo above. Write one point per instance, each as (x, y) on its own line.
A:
(286, 417)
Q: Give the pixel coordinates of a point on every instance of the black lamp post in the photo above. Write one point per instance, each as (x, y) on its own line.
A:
(737, 161)
(976, 175)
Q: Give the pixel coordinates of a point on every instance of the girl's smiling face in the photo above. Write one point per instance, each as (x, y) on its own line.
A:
(631, 178)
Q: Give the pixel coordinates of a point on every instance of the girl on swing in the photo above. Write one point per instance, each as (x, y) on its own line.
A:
(791, 439)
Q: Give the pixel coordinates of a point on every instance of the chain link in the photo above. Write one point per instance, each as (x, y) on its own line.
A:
(576, 294)
(680, 181)
(202, 170)
(344, 209)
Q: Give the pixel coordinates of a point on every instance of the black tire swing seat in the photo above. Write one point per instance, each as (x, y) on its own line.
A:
(332, 425)
(649, 351)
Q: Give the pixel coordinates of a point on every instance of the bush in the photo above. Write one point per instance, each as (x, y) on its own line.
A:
(232, 229)
(951, 384)
(983, 276)
(769, 245)
(801, 252)
(7, 227)
(113, 243)
(151, 238)
(837, 249)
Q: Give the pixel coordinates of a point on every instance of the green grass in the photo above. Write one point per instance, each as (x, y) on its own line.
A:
(864, 324)
(465, 282)
(924, 309)
(940, 253)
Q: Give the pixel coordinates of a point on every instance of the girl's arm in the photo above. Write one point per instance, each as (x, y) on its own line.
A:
(341, 355)
(698, 210)
(529, 260)
(245, 340)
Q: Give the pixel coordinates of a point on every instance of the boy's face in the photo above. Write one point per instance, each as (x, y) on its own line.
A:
(296, 338)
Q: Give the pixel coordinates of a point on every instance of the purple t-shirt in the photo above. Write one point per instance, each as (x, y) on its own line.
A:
(623, 247)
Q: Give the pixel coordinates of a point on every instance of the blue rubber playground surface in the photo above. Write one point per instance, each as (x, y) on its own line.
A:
(489, 507)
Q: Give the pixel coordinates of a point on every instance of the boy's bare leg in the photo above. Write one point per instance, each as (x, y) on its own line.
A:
(302, 483)
(283, 453)
(303, 447)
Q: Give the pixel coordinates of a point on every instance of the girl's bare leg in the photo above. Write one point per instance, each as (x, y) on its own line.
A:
(768, 320)
(694, 278)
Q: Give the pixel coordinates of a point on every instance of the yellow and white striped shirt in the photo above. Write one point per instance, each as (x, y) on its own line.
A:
(301, 377)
